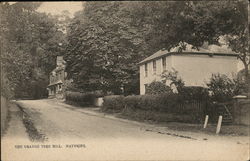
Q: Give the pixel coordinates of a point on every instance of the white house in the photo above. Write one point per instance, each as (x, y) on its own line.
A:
(195, 68)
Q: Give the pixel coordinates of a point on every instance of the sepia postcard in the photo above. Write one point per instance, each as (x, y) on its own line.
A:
(125, 80)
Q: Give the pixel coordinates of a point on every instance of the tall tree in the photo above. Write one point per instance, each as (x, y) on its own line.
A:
(29, 42)
(103, 47)
(107, 39)
(196, 22)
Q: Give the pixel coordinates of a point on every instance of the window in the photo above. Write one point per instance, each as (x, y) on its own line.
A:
(163, 63)
(154, 67)
(146, 69)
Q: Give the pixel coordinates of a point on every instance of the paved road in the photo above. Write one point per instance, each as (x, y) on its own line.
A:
(100, 138)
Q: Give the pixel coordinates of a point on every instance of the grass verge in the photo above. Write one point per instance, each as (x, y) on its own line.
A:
(34, 134)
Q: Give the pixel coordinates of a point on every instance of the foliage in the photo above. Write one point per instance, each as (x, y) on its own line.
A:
(70, 86)
(196, 22)
(107, 39)
(29, 45)
(163, 102)
(223, 88)
(173, 78)
(83, 99)
(103, 47)
(146, 106)
(191, 93)
(113, 102)
(157, 87)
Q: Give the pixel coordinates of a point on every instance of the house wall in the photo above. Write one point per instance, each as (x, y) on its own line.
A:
(54, 90)
(151, 76)
(195, 70)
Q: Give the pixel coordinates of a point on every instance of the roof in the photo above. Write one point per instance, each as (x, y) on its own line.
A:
(57, 82)
(163, 53)
(58, 68)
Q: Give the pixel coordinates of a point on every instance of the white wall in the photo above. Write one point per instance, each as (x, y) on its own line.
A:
(195, 70)
(151, 76)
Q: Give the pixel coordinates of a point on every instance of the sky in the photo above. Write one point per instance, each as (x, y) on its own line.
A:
(57, 7)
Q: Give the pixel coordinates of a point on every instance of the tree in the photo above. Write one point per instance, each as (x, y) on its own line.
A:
(107, 39)
(223, 88)
(29, 42)
(196, 22)
(103, 48)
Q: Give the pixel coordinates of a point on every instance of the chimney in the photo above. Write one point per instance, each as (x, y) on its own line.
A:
(59, 60)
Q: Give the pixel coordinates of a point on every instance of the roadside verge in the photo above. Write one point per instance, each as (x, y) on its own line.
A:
(33, 133)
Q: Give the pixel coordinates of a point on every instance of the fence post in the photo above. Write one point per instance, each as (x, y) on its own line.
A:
(205, 123)
(219, 125)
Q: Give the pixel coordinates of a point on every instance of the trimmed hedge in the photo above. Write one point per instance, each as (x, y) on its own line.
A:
(189, 104)
(83, 99)
(163, 102)
(151, 107)
(114, 102)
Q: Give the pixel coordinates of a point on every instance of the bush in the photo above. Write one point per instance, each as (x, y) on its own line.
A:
(223, 88)
(173, 77)
(193, 93)
(132, 102)
(83, 99)
(157, 87)
(149, 105)
(113, 102)
(163, 102)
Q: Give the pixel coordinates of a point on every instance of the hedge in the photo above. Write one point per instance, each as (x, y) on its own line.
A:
(83, 99)
(163, 102)
(189, 103)
(114, 102)
(151, 107)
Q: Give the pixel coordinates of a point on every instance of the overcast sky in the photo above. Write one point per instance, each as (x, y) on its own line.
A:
(58, 7)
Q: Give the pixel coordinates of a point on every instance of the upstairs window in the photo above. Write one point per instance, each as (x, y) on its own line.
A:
(146, 69)
(154, 67)
(164, 63)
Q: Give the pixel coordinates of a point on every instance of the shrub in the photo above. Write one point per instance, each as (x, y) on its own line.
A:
(83, 99)
(173, 77)
(161, 102)
(132, 102)
(157, 87)
(149, 105)
(113, 102)
(193, 93)
(223, 88)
